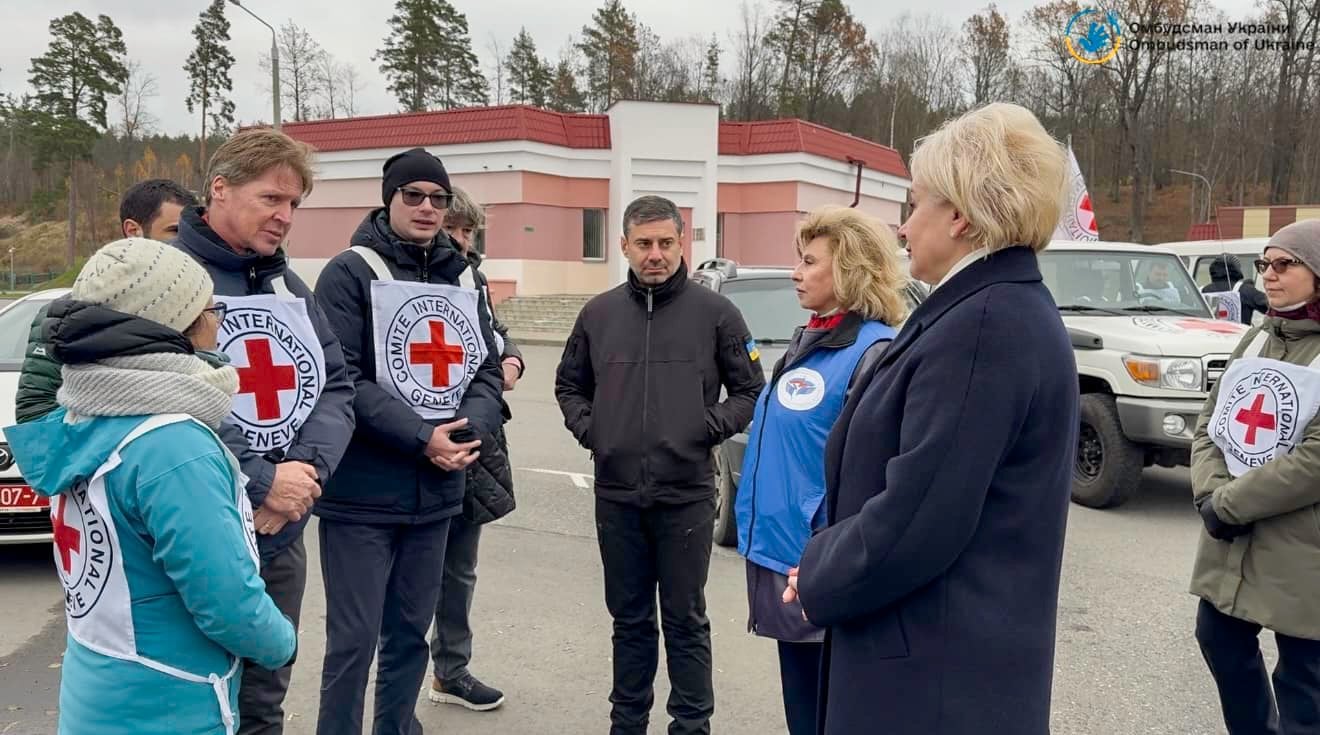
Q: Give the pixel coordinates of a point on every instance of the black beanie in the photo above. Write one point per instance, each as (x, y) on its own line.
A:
(409, 166)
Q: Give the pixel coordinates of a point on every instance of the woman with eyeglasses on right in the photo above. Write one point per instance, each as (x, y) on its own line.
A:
(1256, 484)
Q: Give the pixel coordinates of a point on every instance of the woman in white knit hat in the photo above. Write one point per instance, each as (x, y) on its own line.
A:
(153, 536)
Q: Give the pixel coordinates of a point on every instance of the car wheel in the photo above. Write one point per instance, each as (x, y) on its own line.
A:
(726, 524)
(1108, 467)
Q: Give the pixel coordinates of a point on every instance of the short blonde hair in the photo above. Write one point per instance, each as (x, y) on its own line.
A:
(464, 207)
(250, 153)
(869, 277)
(999, 167)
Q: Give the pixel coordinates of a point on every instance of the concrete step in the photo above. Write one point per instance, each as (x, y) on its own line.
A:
(544, 319)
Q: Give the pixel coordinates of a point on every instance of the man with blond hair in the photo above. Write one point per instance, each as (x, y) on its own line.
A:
(294, 404)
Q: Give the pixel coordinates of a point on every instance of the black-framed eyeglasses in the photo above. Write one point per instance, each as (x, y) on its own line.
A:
(219, 310)
(1280, 265)
(413, 197)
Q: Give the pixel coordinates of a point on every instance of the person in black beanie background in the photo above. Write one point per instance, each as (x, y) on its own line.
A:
(417, 334)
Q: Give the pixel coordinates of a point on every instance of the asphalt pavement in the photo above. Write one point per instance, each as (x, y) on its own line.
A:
(1126, 661)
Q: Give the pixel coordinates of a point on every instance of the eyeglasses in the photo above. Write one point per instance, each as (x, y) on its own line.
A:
(413, 198)
(1280, 265)
(219, 310)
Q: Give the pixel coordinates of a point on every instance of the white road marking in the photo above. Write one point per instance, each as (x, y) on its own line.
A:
(583, 482)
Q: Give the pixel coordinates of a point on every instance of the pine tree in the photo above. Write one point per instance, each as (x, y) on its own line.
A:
(82, 68)
(208, 71)
(564, 94)
(710, 72)
(610, 45)
(428, 57)
(529, 76)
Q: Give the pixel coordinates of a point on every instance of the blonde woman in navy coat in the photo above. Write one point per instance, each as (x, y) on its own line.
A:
(948, 472)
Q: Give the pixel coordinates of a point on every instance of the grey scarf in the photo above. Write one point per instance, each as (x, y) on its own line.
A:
(149, 385)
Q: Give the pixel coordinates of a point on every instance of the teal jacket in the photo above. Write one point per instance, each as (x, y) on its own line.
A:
(197, 600)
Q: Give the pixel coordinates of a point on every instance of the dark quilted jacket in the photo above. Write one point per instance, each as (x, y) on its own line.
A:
(489, 492)
(40, 379)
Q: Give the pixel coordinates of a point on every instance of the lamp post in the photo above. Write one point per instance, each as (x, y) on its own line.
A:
(1207, 188)
(13, 275)
(274, 62)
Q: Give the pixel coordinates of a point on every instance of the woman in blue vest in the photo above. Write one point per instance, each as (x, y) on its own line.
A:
(849, 276)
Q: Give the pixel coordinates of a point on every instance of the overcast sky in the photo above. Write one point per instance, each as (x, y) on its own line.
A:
(159, 34)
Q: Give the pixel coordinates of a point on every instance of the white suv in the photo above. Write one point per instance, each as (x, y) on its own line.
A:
(1148, 351)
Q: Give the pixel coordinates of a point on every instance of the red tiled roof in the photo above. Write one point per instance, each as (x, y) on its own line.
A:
(575, 130)
(793, 136)
(1203, 231)
(452, 127)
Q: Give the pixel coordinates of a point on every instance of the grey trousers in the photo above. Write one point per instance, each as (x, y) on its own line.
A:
(261, 692)
(451, 638)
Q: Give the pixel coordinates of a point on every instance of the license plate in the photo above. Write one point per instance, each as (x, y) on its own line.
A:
(21, 496)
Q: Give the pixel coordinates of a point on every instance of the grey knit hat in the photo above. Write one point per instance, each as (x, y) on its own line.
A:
(145, 278)
(1302, 241)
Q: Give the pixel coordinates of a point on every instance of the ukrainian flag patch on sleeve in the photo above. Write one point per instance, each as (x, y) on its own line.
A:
(752, 350)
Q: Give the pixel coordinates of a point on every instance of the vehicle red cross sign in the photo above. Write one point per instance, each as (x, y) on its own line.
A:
(437, 353)
(1210, 325)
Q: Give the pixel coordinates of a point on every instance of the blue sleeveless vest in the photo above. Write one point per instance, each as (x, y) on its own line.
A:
(783, 472)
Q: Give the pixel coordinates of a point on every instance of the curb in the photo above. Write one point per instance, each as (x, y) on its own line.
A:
(542, 339)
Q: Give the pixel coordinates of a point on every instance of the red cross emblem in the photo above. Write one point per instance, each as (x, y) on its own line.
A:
(437, 353)
(1210, 326)
(68, 540)
(264, 379)
(1086, 215)
(1255, 418)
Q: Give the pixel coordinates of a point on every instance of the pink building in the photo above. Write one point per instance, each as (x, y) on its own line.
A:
(555, 185)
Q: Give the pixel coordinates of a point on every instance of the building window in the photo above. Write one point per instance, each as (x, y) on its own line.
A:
(719, 235)
(479, 241)
(593, 234)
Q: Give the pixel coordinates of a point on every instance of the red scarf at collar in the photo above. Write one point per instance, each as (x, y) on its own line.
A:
(826, 322)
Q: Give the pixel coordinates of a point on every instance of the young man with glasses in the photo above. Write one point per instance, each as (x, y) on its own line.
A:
(293, 413)
(417, 334)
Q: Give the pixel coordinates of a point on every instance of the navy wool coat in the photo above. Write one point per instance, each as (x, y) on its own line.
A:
(948, 478)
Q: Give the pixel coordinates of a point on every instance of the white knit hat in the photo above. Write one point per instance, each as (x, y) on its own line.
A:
(148, 279)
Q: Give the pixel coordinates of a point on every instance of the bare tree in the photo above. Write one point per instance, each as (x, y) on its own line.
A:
(135, 120)
(301, 77)
(1297, 61)
(986, 53)
(755, 61)
(499, 57)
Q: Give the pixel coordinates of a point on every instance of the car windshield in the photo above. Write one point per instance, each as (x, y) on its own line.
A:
(1120, 283)
(15, 324)
(768, 305)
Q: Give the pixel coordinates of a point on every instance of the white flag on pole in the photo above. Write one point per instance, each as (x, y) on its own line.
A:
(1077, 221)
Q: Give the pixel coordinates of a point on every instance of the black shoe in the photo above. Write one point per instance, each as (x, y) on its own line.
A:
(467, 691)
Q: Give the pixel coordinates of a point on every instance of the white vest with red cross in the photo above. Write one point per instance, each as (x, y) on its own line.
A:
(427, 337)
(270, 340)
(98, 606)
(1263, 409)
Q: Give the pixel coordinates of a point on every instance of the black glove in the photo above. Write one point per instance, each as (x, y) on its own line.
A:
(1215, 526)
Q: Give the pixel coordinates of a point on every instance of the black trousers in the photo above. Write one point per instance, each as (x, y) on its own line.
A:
(799, 674)
(665, 548)
(381, 586)
(261, 691)
(1231, 648)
